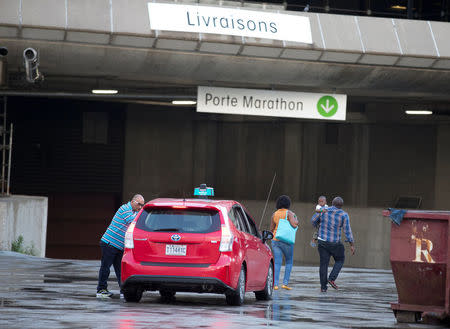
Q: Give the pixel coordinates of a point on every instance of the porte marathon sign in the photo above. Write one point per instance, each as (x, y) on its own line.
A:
(229, 21)
(271, 103)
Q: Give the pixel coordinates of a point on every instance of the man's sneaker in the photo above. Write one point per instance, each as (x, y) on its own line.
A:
(333, 284)
(286, 287)
(323, 290)
(121, 296)
(104, 293)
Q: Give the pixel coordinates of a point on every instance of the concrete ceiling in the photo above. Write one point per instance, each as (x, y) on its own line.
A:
(109, 44)
(78, 67)
(154, 76)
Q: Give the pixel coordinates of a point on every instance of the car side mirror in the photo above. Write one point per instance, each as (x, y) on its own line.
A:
(267, 235)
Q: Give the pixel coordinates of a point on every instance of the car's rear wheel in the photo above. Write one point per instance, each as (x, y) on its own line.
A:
(236, 297)
(266, 293)
(132, 293)
(167, 295)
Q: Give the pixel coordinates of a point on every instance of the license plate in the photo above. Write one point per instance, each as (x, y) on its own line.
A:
(176, 249)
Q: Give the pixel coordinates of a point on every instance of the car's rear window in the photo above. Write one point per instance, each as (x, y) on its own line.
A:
(179, 220)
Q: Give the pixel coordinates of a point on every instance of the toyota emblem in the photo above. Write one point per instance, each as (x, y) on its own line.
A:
(175, 237)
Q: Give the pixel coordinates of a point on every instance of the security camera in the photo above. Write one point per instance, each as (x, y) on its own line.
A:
(3, 51)
(31, 60)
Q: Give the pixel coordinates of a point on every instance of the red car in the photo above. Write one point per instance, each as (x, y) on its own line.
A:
(196, 245)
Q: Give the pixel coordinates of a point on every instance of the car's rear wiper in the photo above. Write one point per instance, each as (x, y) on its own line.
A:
(167, 230)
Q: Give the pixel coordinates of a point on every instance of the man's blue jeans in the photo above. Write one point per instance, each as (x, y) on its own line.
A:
(279, 249)
(110, 256)
(326, 250)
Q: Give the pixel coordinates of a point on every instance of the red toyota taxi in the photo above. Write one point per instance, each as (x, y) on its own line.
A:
(196, 245)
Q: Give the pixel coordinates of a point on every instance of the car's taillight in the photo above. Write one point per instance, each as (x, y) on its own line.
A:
(226, 241)
(129, 236)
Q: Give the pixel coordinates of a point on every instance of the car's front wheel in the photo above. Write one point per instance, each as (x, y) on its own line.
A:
(132, 294)
(266, 293)
(236, 297)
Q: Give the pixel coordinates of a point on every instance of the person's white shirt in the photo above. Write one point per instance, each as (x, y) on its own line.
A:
(319, 207)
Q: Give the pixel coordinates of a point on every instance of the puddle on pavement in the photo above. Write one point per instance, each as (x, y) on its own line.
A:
(32, 289)
(58, 265)
(6, 302)
(56, 278)
(57, 281)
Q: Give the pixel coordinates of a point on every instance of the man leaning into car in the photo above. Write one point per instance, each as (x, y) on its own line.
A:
(112, 243)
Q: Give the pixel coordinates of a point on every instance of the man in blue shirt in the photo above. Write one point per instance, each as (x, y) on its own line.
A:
(330, 224)
(112, 243)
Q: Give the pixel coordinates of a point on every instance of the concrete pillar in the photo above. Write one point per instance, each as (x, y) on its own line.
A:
(293, 144)
(240, 162)
(442, 177)
(204, 148)
(138, 140)
(158, 155)
(312, 139)
(360, 165)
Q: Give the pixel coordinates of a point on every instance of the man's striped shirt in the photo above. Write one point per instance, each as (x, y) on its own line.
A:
(331, 223)
(115, 233)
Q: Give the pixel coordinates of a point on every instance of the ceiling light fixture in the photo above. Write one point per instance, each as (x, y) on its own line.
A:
(419, 112)
(400, 7)
(184, 102)
(104, 91)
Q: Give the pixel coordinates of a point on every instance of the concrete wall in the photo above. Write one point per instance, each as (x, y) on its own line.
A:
(402, 163)
(26, 216)
(168, 152)
(371, 231)
(442, 182)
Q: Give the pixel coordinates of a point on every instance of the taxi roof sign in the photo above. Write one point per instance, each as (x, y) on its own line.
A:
(204, 191)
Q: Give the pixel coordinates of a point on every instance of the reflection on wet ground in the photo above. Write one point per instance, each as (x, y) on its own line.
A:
(51, 293)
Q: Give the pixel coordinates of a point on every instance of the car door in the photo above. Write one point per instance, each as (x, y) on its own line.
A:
(251, 248)
(262, 258)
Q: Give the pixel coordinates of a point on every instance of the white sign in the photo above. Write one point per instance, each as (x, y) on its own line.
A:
(230, 21)
(271, 103)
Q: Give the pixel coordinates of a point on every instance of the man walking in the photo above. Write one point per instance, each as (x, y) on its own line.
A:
(330, 224)
(112, 243)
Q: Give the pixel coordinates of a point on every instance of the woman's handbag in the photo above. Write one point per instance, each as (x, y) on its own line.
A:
(285, 231)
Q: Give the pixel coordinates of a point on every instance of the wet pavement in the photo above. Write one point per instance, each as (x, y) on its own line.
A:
(51, 293)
